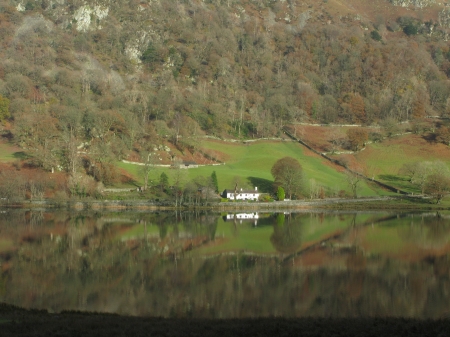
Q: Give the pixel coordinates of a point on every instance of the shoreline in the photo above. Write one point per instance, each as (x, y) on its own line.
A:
(369, 203)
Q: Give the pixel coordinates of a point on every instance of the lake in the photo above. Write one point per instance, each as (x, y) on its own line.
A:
(209, 265)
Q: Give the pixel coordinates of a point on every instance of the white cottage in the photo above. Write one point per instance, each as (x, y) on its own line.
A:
(242, 194)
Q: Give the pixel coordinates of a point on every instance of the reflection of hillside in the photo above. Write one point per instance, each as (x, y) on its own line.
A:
(86, 266)
(136, 283)
(431, 231)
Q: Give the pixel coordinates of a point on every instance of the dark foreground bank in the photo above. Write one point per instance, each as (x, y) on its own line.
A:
(19, 322)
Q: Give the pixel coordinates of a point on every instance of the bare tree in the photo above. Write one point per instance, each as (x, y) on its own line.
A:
(179, 176)
(71, 153)
(353, 179)
(437, 185)
(426, 169)
(409, 170)
(149, 161)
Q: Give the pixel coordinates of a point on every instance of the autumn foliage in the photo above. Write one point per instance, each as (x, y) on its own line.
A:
(357, 138)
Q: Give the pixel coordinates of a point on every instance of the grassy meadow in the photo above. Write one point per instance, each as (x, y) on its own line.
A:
(252, 162)
(384, 160)
(380, 160)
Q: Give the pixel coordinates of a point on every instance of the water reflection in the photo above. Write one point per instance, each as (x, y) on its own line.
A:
(287, 233)
(242, 217)
(218, 265)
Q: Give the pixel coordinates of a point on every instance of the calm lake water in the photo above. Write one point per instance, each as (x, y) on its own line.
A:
(174, 264)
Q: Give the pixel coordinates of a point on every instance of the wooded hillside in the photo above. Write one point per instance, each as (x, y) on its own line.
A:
(107, 79)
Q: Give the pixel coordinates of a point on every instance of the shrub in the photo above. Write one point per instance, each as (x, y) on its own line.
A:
(265, 198)
(375, 35)
(375, 137)
(410, 29)
(342, 194)
(419, 128)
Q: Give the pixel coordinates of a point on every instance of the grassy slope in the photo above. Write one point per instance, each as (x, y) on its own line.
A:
(253, 163)
(385, 159)
(389, 156)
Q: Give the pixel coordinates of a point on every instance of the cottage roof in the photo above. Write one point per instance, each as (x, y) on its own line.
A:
(241, 191)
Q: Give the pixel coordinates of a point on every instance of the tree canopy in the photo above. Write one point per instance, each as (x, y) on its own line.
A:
(357, 138)
(287, 173)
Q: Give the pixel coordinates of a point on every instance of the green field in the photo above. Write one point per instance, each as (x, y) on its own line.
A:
(384, 160)
(252, 164)
(9, 153)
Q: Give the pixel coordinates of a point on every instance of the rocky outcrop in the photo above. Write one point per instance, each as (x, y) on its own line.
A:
(444, 18)
(415, 3)
(87, 16)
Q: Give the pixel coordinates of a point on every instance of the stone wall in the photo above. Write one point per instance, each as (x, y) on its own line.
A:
(416, 3)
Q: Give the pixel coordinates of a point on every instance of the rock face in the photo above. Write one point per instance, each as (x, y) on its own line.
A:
(444, 18)
(415, 3)
(85, 16)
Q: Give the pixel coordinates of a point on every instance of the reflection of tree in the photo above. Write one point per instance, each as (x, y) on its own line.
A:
(192, 224)
(83, 263)
(163, 230)
(286, 237)
(428, 230)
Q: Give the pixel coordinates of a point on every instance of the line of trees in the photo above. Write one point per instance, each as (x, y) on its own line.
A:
(431, 178)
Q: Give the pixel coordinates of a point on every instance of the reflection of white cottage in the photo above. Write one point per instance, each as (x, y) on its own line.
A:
(243, 217)
(242, 194)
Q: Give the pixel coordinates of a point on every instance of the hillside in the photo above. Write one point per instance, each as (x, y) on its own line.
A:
(84, 84)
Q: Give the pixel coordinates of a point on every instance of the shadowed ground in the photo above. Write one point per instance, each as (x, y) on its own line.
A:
(19, 322)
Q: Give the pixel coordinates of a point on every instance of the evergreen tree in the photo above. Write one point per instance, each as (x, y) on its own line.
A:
(215, 182)
(280, 193)
(163, 181)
